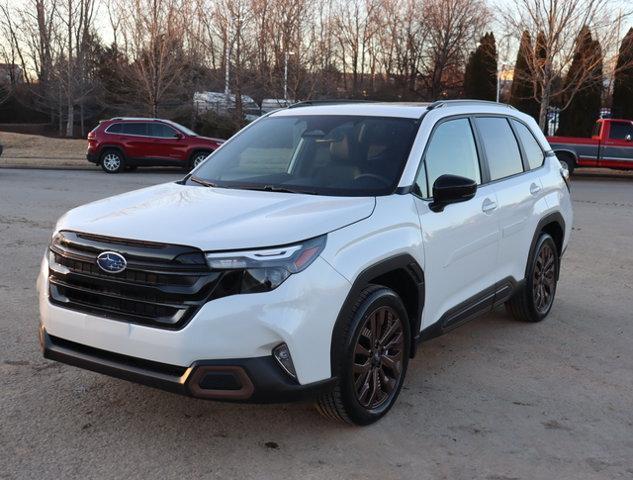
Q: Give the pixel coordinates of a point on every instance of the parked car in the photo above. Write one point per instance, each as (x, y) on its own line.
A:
(127, 143)
(611, 146)
(312, 255)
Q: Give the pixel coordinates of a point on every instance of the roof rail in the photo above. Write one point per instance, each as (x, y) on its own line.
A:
(442, 103)
(310, 103)
(134, 118)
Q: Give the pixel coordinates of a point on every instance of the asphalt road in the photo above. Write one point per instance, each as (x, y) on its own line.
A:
(494, 400)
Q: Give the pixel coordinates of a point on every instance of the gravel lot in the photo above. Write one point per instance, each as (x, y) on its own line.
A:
(495, 399)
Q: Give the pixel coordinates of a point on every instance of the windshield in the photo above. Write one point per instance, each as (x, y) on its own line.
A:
(182, 128)
(322, 155)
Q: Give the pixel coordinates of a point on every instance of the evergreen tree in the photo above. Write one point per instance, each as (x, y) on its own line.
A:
(622, 105)
(522, 90)
(583, 88)
(480, 77)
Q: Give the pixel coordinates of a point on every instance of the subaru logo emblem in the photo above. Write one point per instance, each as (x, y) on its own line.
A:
(111, 262)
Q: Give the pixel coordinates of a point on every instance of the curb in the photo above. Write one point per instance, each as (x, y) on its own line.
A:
(47, 167)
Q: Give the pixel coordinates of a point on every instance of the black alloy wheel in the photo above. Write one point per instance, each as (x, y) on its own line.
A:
(534, 300)
(371, 355)
(378, 358)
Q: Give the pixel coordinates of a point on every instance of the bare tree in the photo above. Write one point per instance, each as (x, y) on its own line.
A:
(153, 32)
(556, 24)
(453, 27)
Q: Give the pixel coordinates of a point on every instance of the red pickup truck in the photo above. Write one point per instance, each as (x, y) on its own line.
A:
(611, 146)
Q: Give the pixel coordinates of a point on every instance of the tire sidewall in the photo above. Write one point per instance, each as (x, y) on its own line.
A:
(379, 298)
(529, 284)
(121, 164)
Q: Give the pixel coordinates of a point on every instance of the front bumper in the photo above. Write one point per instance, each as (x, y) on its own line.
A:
(252, 380)
(300, 313)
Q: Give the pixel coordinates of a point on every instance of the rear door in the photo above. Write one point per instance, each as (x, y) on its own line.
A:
(618, 145)
(460, 242)
(514, 159)
(138, 144)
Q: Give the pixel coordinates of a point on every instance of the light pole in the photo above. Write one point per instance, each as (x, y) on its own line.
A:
(227, 66)
(499, 75)
(286, 55)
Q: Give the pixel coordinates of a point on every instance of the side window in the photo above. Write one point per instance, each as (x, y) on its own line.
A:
(620, 130)
(596, 129)
(115, 128)
(452, 150)
(502, 150)
(137, 128)
(533, 151)
(161, 130)
(420, 181)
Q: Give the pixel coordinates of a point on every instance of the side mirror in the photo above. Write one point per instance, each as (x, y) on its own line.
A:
(449, 189)
(179, 136)
(628, 138)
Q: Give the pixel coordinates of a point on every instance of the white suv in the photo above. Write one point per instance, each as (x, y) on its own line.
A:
(310, 254)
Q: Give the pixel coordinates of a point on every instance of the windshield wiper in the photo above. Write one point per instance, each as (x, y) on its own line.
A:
(276, 188)
(202, 181)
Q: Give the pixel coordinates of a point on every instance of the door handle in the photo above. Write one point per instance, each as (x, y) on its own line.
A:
(488, 205)
(534, 189)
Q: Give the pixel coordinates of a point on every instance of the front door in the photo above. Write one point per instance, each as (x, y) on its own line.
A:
(617, 151)
(461, 242)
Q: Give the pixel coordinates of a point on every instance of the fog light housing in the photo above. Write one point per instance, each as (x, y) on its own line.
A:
(282, 355)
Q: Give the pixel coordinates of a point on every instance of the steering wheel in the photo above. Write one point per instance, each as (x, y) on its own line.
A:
(373, 176)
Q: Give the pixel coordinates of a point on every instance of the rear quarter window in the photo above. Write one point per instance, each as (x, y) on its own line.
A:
(115, 128)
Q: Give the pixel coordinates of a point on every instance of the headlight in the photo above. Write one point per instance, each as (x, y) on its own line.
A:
(264, 270)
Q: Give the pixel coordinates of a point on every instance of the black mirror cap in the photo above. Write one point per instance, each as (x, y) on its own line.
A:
(449, 189)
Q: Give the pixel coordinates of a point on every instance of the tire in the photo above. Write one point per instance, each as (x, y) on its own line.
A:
(197, 158)
(112, 161)
(369, 376)
(567, 161)
(533, 302)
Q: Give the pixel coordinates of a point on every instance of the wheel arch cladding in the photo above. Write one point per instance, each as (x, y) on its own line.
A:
(400, 273)
(566, 153)
(554, 225)
(106, 148)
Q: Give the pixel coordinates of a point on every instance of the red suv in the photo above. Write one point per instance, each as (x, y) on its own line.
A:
(127, 143)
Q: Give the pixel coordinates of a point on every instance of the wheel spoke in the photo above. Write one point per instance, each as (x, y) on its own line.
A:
(361, 367)
(395, 341)
(374, 387)
(386, 381)
(361, 350)
(390, 331)
(365, 387)
(392, 363)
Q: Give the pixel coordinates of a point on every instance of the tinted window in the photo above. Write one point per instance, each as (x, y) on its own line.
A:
(596, 129)
(533, 152)
(161, 130)
(502, 150)
(115, 128)
(137, 128)
(322, 154)
(619, 130)
(452, 151)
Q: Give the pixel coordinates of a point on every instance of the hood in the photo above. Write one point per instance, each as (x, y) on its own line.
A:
(216, 218)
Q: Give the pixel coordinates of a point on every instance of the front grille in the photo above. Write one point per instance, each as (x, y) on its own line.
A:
(162, 286)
